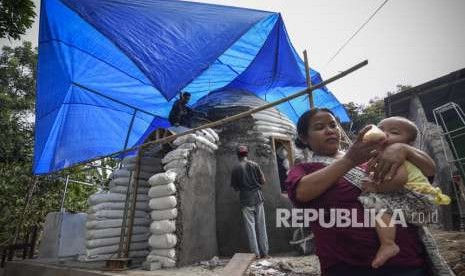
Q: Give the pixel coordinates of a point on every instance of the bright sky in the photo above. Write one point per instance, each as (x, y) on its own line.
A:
(407, 42)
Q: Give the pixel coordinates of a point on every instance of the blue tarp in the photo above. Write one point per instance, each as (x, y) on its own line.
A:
(109, 70)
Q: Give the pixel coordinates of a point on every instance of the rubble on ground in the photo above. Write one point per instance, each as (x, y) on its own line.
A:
(285, 266)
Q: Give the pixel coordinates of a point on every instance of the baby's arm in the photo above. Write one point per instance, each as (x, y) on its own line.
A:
(395, 184)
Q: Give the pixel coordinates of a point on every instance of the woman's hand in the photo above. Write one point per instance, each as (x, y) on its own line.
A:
(369, 186)
(360, 152)
(386, 163)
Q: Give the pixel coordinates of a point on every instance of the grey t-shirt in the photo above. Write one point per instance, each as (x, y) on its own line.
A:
(246, 178)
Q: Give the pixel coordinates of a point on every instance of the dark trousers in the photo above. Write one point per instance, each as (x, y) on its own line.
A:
(350, 270)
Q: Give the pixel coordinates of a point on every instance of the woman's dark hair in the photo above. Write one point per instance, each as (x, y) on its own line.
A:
(304, 123)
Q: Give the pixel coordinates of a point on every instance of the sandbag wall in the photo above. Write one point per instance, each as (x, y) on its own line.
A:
(106, 211)
(256, 131)
(182, 202)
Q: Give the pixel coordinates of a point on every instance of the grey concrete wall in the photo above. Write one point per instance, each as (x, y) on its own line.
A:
(196, 225)
(63, 235)
(429, 140)
(230, 229)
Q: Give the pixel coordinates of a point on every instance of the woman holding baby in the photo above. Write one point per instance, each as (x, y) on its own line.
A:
(332, 179)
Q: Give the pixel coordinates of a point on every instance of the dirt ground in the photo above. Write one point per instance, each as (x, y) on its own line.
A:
(452, 248)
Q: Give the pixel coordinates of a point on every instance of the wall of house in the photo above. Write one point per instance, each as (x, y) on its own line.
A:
(429, 140)
(231, 234)
(197, 213)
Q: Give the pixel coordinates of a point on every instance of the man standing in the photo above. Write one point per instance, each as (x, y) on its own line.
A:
(248, 179)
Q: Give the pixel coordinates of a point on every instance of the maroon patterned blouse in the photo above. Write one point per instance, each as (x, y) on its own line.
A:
(350, 245)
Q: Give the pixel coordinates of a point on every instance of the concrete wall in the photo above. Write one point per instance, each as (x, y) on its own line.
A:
(429, 140)
(231, 234)
(63, 235)
(196, 223)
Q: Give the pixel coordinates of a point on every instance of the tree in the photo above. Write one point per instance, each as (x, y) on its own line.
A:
(17, 96)
(372, 113)
(16, 16)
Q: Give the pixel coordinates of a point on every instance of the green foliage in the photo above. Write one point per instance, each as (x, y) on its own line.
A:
(16, 16)
(17, 96)
(372, 113)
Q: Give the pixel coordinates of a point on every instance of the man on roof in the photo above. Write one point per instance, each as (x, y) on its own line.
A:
(181, 114)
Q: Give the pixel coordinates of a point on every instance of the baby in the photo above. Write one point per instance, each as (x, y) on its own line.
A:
(409, 190)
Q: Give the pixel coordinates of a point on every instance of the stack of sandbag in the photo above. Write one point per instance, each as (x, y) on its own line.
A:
(164, 198)
(163, 205)
(273, 123)
(177, 160)
(104, 222)
(120, 178)
(106, 211)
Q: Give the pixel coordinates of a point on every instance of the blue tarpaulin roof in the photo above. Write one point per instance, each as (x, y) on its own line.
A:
(109, 70)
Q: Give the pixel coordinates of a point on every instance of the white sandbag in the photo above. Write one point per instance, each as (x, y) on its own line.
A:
(151, 266)
(202, 141)
(163, 203)
(124, 181)
(290, 129)
(165, 241)
(132, 254)
(164, 214)
(205, 134)
(123, 189)
(125, 173)
(100, 198)
(162, 178)
(213, 134)
(271, 118)
(189, 138)
(162, 227)
(175, 155)
(178, 171)
(113, 232)
(93, 243)
(275, 134)
(105, 197)
(110, 223)
(120, 173)
(145, 161)
(178, 163)
(163, 261)
(113, 214)
(169, 253)
(261, 128)
(144, 168)
(162, 190)
(140, 205)
(188, 146)
(114, 248)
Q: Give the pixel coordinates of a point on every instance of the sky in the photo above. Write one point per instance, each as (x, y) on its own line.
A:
(408, 42)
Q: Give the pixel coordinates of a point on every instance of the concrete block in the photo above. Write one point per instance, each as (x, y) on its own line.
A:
(63, 235)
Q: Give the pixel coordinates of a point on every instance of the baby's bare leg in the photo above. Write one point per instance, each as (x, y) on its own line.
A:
(387, 238)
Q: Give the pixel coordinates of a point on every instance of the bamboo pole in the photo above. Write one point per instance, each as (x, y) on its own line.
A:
(308, 79)
(253, 110)
(237, 116)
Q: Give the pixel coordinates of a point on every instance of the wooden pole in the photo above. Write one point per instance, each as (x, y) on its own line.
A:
(308, 79)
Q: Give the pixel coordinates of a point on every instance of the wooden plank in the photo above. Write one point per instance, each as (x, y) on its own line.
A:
(238, 265)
